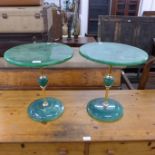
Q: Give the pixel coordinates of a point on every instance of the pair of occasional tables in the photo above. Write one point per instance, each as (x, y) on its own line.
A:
(41, 55)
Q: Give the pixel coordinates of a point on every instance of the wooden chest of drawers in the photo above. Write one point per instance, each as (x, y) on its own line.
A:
(77, 73)
(75, 133)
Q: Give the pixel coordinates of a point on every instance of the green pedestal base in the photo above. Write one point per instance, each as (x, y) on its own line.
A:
(41, 113)
(110, 113)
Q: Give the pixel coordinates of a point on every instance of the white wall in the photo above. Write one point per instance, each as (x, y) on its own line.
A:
(84, 17)
(146, 5)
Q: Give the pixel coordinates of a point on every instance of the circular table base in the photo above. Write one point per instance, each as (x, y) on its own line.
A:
(41, 113)
(112, 112)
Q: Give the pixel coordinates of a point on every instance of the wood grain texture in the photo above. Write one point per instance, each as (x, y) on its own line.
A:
(42, 149)
(106, 148)
(123, 148)
(135, 31)
(21, 3)
(71, 78)
(137, 124)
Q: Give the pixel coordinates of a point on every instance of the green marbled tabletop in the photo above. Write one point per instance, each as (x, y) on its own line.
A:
(38, 54)
(41, 55)
(114, 54)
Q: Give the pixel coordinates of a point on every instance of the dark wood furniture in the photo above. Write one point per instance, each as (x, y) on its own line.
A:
(109, 7)
(136, 31)
(8, 40)
(125, 7)
(75, 132)
(76, 42)
(56, 29)
(147, 78)
(96, 8)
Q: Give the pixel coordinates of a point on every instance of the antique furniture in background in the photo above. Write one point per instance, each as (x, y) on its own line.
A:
(13, 39)
(136, 31)
(26, 19)
(56, 30)
(109, 7)
(26, 24)
(125, 7)
(96, 7)
(147, 77)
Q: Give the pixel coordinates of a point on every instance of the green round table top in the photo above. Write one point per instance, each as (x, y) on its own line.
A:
(115, 54)
(38, 54)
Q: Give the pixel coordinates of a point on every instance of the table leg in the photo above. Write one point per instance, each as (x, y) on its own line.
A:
(105, 109)
(46, 108)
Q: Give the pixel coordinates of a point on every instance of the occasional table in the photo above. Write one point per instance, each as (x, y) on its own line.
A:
(41, 55)
(112, 54)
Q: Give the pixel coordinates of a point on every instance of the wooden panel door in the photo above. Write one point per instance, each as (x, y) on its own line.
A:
(125, 7)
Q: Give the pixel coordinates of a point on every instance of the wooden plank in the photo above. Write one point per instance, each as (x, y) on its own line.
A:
(66, 78)
(149, 13)
(137, 124)
(136, 31)
(146, 78)
(123, 148)
(42, 149)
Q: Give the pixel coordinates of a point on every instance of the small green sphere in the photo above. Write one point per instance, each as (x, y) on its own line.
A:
(43, 80)
(108, 80)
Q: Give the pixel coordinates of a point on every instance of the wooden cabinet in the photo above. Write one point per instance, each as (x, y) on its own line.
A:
(8, 40)
(109, 7)
(77, 73)
(75, 132)
(136, 31)
(96, 8)
(125, 7)
(122, 148)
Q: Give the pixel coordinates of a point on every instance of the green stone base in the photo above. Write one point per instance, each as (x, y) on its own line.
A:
(110, 113)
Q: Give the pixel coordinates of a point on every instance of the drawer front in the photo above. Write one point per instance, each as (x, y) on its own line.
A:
(122, 148)
(60, 78)
(42, 149)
